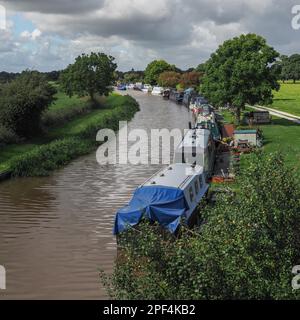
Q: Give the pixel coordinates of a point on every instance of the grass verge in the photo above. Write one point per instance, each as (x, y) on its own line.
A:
(287, 99)
(281, 135)
(42, 155)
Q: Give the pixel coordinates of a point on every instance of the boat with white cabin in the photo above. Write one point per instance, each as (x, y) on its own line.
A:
(157, 91)
(170, 197)
(147, 88)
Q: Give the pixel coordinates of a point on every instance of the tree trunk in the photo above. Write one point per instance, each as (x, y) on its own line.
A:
(238, 115)
(92, 95)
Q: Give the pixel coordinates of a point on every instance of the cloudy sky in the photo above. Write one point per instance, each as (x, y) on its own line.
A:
(48, 35)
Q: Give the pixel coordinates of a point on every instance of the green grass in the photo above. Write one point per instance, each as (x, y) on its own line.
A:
(10, 152)
(64, 143)
(281, 135)
(287, 99)
(62, 101)
(65, 108)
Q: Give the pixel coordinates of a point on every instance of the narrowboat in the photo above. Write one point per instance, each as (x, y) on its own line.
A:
(157, 91)
(121, 87)
(176, 96)
(197, 102)
(166, 93)
(170, 197)
(130, 86)
(197, 147)
(147, 88)
(212, 126)
(188, 95)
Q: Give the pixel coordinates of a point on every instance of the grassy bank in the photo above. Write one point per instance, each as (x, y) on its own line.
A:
(287, 99)
(281, 135)
(65, 108)
(63, 143)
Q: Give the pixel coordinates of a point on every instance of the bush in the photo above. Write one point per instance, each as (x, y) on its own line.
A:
(62, 116)
(22, 102)
(245, 250)
(45, 158)
(7, 136)
(124, 109)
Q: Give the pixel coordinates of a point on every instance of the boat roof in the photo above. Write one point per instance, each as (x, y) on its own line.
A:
(157, 88)
(195, 138)
(177, 175)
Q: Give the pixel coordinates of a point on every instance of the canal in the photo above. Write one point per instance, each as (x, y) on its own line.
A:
(56, 231)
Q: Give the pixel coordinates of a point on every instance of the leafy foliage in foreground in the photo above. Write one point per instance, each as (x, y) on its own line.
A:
(245, 250)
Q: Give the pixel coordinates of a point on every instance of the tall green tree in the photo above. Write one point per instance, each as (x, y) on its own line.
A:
(22, 102)
(201, 68)
(240, 72)
(89, 75)
(155, 69)
(291, 67)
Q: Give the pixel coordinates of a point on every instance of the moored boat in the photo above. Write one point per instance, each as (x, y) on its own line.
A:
(197, 147)
(147, 88)
(176, 96)
(157, 91)
(166, 93)
(121, 87)
(170, 197)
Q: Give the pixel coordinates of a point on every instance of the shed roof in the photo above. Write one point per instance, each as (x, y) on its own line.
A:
(245, 132)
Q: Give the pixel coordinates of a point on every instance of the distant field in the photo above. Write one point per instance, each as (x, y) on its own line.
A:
(281, 135)
(64, 102)
(287, 99)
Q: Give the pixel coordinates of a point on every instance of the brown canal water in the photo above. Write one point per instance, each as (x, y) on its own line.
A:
(56, 231)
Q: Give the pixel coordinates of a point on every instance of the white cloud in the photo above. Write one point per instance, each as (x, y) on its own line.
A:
(184, 32)
(36, 33)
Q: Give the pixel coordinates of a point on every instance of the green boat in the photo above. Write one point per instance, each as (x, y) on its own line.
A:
(212, 126)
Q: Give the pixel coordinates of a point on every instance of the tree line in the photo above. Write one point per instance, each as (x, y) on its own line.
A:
(289, 67)
(9, 76)
(26, 96)
(243, 70)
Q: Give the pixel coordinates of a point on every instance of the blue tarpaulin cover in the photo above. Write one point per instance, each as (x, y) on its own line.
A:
(166, 205)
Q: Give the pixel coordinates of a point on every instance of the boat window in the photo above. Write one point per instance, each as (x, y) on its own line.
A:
(201, 182)
(197, 186)
(191, 194)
